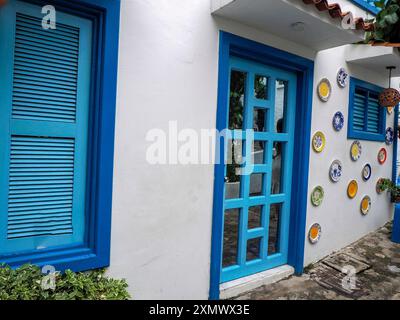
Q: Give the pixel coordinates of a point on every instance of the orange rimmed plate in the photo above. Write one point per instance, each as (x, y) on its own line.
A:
(352, 189)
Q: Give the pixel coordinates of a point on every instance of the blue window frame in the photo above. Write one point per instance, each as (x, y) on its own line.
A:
(89, 246)
(368, 5)
(367, 119)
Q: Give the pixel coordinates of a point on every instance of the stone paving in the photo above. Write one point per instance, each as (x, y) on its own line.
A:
(381, 281)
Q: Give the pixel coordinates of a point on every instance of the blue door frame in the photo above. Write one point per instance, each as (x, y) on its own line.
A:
(304, 68)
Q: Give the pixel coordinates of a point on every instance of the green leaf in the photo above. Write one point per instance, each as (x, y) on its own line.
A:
(392, 18)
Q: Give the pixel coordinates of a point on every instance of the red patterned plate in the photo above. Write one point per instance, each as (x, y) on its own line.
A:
(382, 156)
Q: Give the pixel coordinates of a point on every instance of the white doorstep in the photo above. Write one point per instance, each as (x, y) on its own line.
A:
(236, 287)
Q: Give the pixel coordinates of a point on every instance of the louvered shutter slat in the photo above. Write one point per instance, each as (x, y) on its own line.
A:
(35, 100)
(19, 204)
(358, 112)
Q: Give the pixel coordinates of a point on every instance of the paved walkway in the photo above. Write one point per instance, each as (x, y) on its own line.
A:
(375, 259)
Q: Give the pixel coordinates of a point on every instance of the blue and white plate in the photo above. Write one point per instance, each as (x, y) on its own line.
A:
(338, 121)
(367, 172)
(336, 170)
(389, 136)
(342, 78)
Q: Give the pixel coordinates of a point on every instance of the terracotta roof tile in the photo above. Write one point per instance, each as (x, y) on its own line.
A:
(335, 11)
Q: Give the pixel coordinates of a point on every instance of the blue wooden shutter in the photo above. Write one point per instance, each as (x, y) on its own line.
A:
(366, 112)
(45, 136)
(374, 113)
(359, 109)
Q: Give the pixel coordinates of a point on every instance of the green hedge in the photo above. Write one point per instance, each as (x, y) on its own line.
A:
(25, 283)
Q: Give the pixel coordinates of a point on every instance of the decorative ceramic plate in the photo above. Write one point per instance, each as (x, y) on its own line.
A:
(314, 234)
(318, 142)
(355, 150)
(324, 90)
(377, 188)
(338, 121)
(365, 205)
(390, 110)
(335, 171)
(342, 78)
(352, 189)
(382, 156)
(317, 196)
(389, 136)
(367, 172)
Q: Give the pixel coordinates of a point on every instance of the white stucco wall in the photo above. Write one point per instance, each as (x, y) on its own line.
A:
(340, 217)
(168, 70)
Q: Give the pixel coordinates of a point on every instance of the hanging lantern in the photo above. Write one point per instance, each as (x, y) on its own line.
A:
(390, 97)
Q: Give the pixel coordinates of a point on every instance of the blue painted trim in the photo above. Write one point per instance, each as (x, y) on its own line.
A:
(364, 4)
(363, 135)
(95, 253)
(396, 220)
(301, 166)
(231, 44)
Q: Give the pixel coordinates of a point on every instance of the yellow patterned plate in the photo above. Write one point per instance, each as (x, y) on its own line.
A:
(365, 205)
(355, 150)
(352, 189)
(318, 142)
(324, 90)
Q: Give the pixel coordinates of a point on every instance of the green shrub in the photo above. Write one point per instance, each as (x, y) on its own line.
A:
(25, 283)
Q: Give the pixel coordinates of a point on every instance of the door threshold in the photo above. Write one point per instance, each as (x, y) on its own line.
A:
(234, 288)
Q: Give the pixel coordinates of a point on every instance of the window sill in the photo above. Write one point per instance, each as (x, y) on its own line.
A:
(366, 136)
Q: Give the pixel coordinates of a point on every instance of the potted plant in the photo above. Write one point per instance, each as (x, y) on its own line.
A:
(386, 24)
(389, 186)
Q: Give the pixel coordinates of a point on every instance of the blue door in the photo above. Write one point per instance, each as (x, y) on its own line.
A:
(257, 201)
(44, 112)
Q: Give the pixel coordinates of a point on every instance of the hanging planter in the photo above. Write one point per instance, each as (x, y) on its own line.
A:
(389, 98)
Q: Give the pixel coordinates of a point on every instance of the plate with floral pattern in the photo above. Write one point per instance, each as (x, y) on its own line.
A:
(338, 121)
(367, 172)
(389, 136)
(318, 141)
(355, 150)
(317, 196)
(324, 90)
(378, 186)
(335, 171)
(342, 78)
